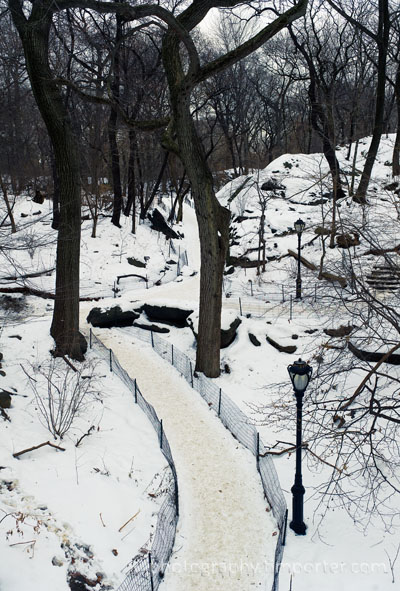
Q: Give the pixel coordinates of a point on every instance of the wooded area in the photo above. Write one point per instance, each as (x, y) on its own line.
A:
(110, 103)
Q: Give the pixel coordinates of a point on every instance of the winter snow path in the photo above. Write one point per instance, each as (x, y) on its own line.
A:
(225, 538)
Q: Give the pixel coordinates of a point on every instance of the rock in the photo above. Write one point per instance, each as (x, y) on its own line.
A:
(159, 224)
(5, 399)
(78, 582)
(56, 561)
(272, 185)
(311, 330)
(39, 197)
(391, 186)
(152, 327)
(321, 231)
(111, 317)
(243, 262)
(2, 373)
(24, 215)
(83, 343)
(393, 359)
(228, 335)
(136, 263)
(295, 337)
(254, 340)
(281, 348)
(167, 315)
(342, 331)
(348, 240)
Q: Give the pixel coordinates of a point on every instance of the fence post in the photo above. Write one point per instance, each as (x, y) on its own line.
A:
(240, 307)
(283, 294)
(315, 292)
(147, 282)
(291, 307)
(115, 290)
(151, 573)
(110, 359)
(135, 391)
(219, 402)
(90, 338)
(152, 338)
(172, 354)
(285, 528)
(161, 433)
(191, 373)
(258, 450)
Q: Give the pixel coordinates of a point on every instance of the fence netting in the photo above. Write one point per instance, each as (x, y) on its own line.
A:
(235, 421)
(146, 570)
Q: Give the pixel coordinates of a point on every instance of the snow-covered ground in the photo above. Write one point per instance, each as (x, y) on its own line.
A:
(219, 528)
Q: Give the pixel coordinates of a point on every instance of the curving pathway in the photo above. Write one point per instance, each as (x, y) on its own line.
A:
(225, 538)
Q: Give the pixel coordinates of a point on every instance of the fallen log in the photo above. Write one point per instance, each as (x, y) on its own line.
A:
(393, 358)
(324, 275)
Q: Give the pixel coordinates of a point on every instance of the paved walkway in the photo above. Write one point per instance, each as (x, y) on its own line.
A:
(225, 536)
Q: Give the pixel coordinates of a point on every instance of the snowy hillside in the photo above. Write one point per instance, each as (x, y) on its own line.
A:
(64, 511)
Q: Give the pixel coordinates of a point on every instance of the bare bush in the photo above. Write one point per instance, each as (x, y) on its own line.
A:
(61, 393)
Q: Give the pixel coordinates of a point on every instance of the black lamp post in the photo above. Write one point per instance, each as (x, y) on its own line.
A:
(300, 375)
(299, 227)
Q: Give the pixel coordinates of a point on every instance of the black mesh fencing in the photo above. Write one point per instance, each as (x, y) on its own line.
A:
(236, 422)
(146, 570)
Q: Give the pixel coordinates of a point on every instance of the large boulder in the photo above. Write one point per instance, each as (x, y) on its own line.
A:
(167, 315)
(228, 335)
(111, 317)
(5, 399)
(159, 224)
(347, 240)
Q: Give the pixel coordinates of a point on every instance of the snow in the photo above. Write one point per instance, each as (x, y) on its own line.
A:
(220, 534)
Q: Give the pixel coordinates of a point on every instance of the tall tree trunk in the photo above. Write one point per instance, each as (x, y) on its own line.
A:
(131, 202)
(34, 34)
(382, 42)
(113, 128)
(212, 218)
(396, 149)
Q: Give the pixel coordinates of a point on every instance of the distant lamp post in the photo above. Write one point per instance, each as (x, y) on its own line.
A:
(300, 374)
(299, 227)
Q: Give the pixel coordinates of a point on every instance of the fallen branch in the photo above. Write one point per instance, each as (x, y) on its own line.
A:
(371, 372)
(27, 276)
(304, 446)
(324, 275)
(40, 294)
(129, 520)
(25, 451)
(84, 435)
(101, 519)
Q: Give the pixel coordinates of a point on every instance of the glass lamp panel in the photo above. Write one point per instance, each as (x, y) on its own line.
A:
(300, 382)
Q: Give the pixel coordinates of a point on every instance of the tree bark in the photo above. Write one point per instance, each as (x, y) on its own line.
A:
(113, 128)
(212, 218)
(34, 33)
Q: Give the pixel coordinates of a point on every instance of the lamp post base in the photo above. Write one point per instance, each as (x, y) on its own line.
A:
(298, 528)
